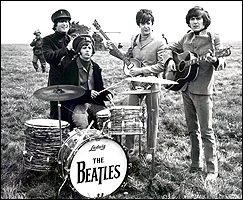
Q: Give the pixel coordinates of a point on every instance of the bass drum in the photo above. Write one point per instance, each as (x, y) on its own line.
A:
(94, 165)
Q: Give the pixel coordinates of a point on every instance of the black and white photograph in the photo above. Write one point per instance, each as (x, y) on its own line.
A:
(121, 99)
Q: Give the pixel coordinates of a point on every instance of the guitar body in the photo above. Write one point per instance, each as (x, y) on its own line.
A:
(183, 74)
(135, 63)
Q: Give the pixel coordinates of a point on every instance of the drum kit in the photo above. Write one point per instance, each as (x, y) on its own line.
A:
(93, 163)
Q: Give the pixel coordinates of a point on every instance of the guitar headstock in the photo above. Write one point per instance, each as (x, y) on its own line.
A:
(223, 52)
(96, 25)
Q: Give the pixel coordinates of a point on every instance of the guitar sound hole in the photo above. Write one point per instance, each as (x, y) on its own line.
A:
(181, 66)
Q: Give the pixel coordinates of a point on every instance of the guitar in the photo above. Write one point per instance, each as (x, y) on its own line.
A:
(187, 67)
(128, 63)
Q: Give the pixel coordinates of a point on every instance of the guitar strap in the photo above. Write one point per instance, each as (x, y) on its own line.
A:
(212, 38)
(134, 44)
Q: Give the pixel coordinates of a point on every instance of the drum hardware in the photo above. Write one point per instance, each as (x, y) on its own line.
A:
(59, 93)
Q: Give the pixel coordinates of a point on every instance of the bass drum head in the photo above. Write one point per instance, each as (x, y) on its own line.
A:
(98, 168)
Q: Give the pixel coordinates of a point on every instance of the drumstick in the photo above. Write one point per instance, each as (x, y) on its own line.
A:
(110, 87)
(110, 100)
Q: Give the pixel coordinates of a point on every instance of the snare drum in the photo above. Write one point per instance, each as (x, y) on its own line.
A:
(93, 164)
(43, 143)
(126, 120)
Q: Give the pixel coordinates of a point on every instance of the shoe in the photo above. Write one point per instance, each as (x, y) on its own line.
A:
(195, 169)
(149, 157)
(211, 177)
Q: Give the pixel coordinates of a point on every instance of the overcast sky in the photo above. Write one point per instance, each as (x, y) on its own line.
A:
(19, 19)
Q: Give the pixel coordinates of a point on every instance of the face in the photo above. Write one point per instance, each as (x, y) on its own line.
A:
(63, 26)
(86, 52)
(37, 35)
(146, 28)
(196, 23)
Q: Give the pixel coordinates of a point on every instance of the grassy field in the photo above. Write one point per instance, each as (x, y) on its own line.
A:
(171, 179)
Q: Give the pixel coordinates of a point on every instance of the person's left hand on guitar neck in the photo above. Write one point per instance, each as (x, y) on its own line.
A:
(210, 57)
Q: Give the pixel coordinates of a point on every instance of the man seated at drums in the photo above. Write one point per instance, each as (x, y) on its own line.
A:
(84, 72)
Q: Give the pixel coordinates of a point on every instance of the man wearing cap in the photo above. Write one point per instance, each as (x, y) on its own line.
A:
(82, 71)
(38, 52)
(55, 47)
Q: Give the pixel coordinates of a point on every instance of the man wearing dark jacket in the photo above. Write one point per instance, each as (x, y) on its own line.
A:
(55, 46)
(58, 51)
(38, 52)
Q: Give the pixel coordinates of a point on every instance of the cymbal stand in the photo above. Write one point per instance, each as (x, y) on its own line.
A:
(150, 129)
(59, 118)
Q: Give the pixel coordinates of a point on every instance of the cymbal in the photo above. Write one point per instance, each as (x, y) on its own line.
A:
(59, 92)
(139, 92)
(151, 79)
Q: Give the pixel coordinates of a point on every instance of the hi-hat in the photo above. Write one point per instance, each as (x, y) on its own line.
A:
(150, 79)
(59, 92)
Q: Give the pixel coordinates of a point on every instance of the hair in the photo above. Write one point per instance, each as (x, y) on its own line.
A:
(198, 11)
(143, 16)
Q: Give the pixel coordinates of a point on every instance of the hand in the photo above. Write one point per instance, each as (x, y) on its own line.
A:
(109, 44)
(109, 97)
(221, 65)
(171, 65)
(210, 57)
(135, 71)
(70, 45)
(94, 94)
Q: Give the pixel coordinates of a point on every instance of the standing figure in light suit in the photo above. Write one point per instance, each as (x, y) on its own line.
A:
(152, 53)
(197, 94)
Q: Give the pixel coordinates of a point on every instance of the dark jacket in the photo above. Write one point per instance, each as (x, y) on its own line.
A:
(54, 48)
(37, 44)
(71, 71)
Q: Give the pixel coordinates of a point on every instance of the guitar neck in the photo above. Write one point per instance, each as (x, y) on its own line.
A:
(127, 62)
(195, 60)
(218, 53)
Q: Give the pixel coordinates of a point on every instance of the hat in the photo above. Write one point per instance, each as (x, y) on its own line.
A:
(62, 13)
(37, 31)
(80, 40)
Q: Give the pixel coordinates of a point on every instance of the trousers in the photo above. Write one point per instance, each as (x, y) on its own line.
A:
(198, 113)
(84, 113)
(42, 62)
(152, 107)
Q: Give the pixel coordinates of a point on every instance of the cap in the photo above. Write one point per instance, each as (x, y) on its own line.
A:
(37, 31)
(62, 13)
(80, 40)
